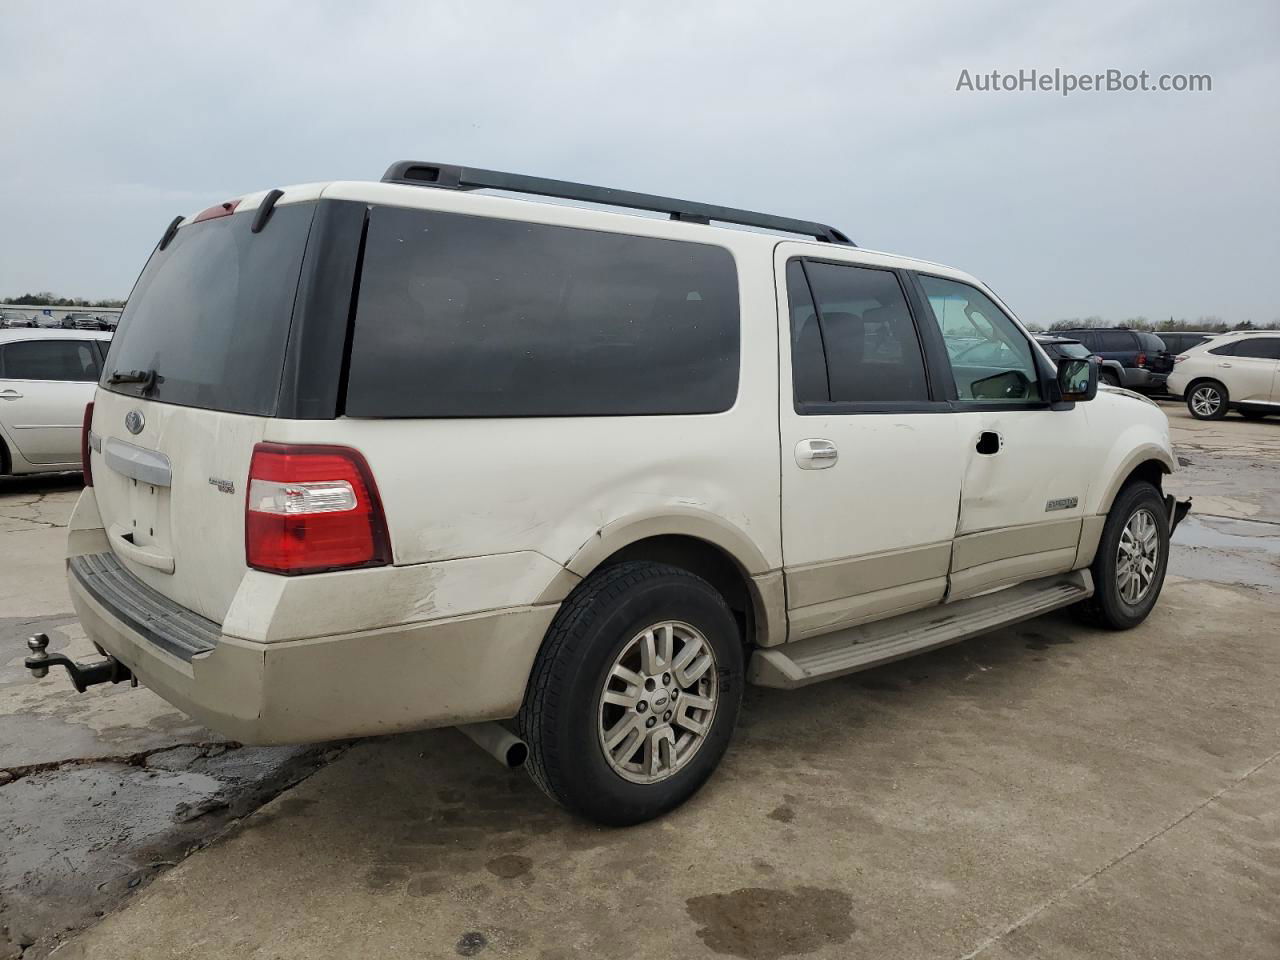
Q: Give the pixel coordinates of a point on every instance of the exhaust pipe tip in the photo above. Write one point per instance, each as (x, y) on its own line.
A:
(497, 741)
(516, 754)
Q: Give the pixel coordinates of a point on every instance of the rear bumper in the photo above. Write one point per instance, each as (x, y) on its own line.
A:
(1139, 378)
(431, 674)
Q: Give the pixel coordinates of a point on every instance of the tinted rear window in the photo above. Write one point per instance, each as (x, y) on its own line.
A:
(463, 316)
(211, 312)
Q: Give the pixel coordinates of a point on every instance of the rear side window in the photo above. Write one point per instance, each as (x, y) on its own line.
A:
(1086, 337)
(64, 360)
(1264, 348)
(862, 322)
(211, 313)
(462, 316)
(1114, 341)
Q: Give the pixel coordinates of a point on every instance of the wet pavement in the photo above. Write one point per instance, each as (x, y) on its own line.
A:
(99, 791)
(1044, 791)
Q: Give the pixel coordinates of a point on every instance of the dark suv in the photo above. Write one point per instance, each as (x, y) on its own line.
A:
(1144, 361)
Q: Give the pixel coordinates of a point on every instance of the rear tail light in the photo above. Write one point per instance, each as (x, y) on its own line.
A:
(1142, 359)
(312, 508)
(85, 429)
(1179, 358)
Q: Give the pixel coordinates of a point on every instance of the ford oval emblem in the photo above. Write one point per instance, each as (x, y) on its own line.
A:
(134, 421)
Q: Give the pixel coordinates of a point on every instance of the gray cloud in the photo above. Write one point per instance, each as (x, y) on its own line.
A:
(121, 115)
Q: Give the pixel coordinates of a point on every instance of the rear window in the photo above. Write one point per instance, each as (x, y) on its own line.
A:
(462, 316)
(1151, 343)
(211, 312)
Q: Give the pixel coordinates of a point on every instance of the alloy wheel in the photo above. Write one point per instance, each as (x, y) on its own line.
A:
(1137, 557)
(658, 702)
(1205, 401)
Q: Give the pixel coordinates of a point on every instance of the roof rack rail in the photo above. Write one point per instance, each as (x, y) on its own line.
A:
(424, 174)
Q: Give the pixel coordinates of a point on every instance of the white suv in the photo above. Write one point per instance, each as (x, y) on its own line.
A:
(371, 457)
(1235, 371)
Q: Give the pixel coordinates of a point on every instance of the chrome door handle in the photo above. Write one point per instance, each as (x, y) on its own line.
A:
(10, 395)
(816, 454)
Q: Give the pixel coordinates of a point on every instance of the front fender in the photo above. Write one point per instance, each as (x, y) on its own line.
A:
(1123, 459)
(1139, 432)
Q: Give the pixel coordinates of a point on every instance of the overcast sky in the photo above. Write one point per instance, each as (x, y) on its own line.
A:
(115, 117)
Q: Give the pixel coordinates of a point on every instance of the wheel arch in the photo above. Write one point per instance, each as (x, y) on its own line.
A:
(703, 544)
(1149, 462)
(1198, 381)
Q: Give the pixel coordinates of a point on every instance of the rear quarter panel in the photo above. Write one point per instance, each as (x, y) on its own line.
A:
(457, 488)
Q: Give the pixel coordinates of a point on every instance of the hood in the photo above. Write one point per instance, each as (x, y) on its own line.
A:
(1127, 393)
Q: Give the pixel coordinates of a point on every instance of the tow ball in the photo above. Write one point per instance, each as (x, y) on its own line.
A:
(83, 675)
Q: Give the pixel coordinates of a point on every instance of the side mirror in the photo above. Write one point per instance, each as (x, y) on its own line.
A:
(1006, 385)
(1078, 379)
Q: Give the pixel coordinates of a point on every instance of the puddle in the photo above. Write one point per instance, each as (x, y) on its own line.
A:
(1223, 550)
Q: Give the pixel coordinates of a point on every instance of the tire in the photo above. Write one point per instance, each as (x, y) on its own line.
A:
(1208, 400)
(1114, 604)
(1109, 378)
(566, 721)
(1252, 414)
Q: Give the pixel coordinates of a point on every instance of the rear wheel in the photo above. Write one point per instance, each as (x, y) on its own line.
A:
(635, 693)
(1128, 570)
(1207, 400)
(1109, 378)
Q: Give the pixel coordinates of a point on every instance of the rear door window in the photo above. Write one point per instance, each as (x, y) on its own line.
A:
(211, 313)
(463, 316)
(861, 320)
(1264, 348)
(59, 360)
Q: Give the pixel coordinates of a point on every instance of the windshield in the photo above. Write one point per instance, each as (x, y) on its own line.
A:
(208, 321)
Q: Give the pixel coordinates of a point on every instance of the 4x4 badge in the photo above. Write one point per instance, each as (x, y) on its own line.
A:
(134, 421)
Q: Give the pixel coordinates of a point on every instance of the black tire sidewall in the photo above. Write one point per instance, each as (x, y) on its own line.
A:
(592, 787)
(1116, 613)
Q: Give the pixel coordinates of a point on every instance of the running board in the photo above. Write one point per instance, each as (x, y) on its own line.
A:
(804, 662)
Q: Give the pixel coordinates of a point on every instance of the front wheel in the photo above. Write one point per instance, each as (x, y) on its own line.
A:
(1128, 569)
(635, 693)
(1207, 401)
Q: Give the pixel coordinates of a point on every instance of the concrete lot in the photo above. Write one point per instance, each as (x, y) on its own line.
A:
(1044, 791)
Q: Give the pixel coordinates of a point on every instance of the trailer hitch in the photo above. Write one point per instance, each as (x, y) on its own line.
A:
(83, 675)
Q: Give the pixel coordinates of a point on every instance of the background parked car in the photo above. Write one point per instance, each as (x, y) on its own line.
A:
(46, 378)
(1235, 371)
(15, 318)
(1181, 342)
(1141, 367)
(1109, 371)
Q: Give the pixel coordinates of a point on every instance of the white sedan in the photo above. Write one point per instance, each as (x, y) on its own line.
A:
(46, 379)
